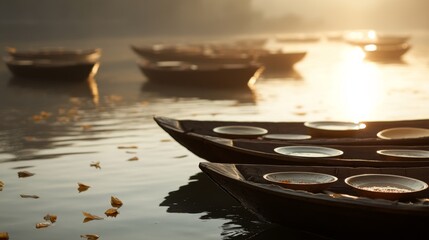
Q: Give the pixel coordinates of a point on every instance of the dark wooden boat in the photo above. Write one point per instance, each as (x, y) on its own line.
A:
(198, 137)
(201, 75)
(386, 52)
(280, 60)
(198, 54)
(55, 54)
(50, 69)
(336, 212)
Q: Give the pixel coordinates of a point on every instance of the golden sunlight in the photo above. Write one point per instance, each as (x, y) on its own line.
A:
(359, 86)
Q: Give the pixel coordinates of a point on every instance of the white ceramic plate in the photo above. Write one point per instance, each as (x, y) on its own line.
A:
(335, 125)
(308, 151)
(309, 181)
(240, 131)
(403, 133)
(386, 186)
(404, 154)
(286, 136)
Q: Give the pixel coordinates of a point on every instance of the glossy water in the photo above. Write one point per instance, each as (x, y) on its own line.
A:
(164, 193)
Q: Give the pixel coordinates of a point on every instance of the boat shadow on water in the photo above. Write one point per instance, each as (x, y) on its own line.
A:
(241, 95)
(198, 197)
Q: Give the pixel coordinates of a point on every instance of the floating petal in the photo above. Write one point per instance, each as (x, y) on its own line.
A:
(82, 187)
(51, 218)
(43, 224)
(133, 159)
(115, 202)
(111, 212)
(90, 236)
(24, 174)
(29, 196)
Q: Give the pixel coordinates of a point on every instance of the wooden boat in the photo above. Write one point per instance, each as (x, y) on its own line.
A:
(201, 75)
(279, 60)
(198, 54)
(336, 212)
(385, 52)
(51, 69)
(199, 138)
(55, 54)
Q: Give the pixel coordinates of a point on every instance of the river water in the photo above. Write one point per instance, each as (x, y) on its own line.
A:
(57, 130)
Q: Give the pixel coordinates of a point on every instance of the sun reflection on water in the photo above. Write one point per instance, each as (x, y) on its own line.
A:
(359, 85)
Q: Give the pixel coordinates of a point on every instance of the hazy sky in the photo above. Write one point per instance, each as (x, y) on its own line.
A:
(392, 14)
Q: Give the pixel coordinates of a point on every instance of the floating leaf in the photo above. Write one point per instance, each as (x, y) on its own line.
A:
(43, 224)
(24, 174)
(51, 218)
(82, 187)
(133, 159)
(111, 212)
(29, 196)
(95, 164)
(166, 140)
(90, 217)
(115, 202)
(90, 236)
(4, 236)
(127, 147)
(181, 156)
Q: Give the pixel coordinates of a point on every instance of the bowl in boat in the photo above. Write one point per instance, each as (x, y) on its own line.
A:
(404, 154)
(239, 131)
(403, 133)
(308, 181)
(386, 186)
(308, 151)
(286, 137)
(333, 128)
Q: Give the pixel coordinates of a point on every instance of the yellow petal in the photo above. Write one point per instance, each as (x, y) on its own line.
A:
(52, 218)
(24, 174)
(95, 164)
(115, 202)
(43, 224)
(4, 236)
(90, 217)
(133, 159)
(82, 187)
(111, 212)
(90, 236)
(29, 196)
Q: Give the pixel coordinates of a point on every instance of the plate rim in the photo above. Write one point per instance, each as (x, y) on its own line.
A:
(359, 125)
(380, 133)
(382, 153)
(294, 134)
(264, 131)
(339, 152)
(333, 178)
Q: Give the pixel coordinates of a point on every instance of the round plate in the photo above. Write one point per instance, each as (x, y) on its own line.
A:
(405, 154)
(308, 151)
(386, 186)
(240, 131)
(286, 136)
(403, 133)
(309, 181)
(333, 128)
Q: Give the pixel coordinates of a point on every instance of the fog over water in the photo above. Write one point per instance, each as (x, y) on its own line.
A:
(24, 19)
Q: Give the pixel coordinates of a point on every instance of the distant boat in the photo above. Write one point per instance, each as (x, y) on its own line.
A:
(371, 37)
(385, 52)
(279, 60)
(59, 54)
(53, 63)
(49, 69)
(297, 38)
(201, 75)
(188, 53)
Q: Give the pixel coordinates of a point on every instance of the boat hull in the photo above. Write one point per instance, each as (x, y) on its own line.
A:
(334, 215)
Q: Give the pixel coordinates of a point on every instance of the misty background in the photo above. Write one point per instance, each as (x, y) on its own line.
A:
(65, 19)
